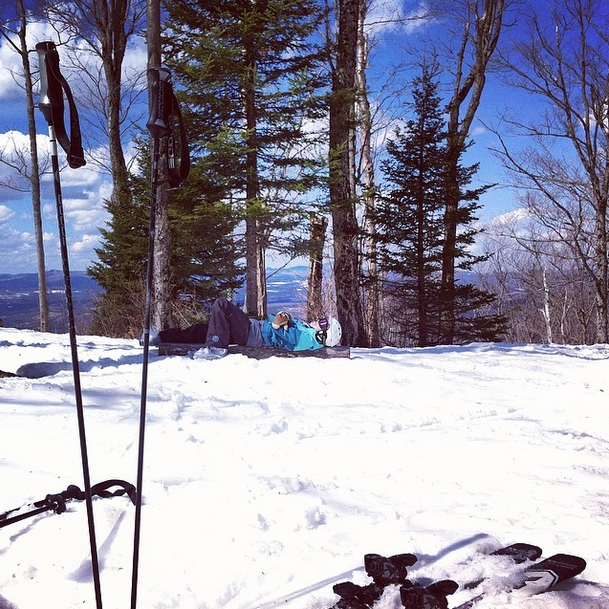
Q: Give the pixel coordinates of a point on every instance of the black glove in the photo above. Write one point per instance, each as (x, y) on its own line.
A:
(415, 596)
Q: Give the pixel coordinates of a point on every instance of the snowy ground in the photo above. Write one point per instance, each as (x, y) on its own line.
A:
(267, 481)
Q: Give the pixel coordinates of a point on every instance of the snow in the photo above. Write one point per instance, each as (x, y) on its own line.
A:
(266, 481)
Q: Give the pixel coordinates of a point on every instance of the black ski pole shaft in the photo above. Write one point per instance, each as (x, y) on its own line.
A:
(144, 388)
(157, 125)
(76, 373)
(46, 106)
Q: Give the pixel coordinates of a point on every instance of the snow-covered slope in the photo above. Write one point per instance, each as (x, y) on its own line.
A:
(267, 481)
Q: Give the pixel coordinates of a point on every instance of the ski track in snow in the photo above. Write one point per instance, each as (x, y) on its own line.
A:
(267, 481)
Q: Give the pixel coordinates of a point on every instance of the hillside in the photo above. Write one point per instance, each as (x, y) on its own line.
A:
(262, 491)
(19, 297)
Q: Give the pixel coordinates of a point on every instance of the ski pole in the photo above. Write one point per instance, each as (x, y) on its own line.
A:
(159, 127)
(52, 86)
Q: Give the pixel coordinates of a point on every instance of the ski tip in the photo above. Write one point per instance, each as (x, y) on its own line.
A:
(520, 552)
(567, 563)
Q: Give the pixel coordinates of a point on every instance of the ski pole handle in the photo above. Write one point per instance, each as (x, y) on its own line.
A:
(44, 102)
(160, 102)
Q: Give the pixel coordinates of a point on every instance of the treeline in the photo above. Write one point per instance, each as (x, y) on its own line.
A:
(287, 158)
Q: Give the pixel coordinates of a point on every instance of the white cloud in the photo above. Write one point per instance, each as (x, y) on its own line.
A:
(509, 218)
(10, 73)
(396, 15)
(17, 251)
(6, 214)
(84, 191)
(14, 141)
(11, 65)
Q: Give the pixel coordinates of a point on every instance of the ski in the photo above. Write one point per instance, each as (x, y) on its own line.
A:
(434, 596)
(548, 573)
(535, 579)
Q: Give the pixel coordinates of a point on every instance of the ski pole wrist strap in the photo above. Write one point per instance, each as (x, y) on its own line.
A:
(53, 86)
(164, 112)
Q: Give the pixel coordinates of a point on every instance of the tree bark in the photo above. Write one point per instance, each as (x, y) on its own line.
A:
(371, 283)
(342, 195)
(161, 277)
(315, 308)
(43, 305)
(255, 279)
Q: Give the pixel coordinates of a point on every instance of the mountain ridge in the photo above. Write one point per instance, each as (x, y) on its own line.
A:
(19, 307)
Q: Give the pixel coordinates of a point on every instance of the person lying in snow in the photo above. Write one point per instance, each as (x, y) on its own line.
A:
(228, 324)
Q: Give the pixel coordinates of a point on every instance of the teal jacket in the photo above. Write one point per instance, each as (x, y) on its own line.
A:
(298, 337)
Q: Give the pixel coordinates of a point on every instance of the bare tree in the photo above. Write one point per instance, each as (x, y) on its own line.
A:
(538, 279)
(353, 124)
(365, 127)
(565, 63)
(21, 163)
(106, 28)
(480, 23)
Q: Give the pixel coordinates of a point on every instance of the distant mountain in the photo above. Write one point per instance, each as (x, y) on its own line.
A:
(19, 300)
(287, 289)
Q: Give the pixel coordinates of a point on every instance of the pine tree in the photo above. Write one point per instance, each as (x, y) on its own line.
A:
(474, 316)
(410, 225)
(121, 268)
(409, 217)
(204, 260)
(246, 69)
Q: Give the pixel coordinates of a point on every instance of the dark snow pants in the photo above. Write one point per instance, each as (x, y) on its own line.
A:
(228, 324)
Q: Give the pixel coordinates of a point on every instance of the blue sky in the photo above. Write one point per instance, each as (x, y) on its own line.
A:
(85, 189)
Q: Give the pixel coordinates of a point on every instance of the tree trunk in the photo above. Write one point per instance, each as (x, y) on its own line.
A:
(43, 305)
(422, 274)
(485, 18)
(342, 195)
(113, 40)
(547, 307)
(315, 308)
(449, 252)
(371, 294)
(255, 280)
(161, 278)
(602, 273)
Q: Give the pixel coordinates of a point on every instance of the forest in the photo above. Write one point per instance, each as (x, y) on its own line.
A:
(309, 137)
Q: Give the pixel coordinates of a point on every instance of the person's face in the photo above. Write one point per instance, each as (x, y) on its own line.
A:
(315, 325)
